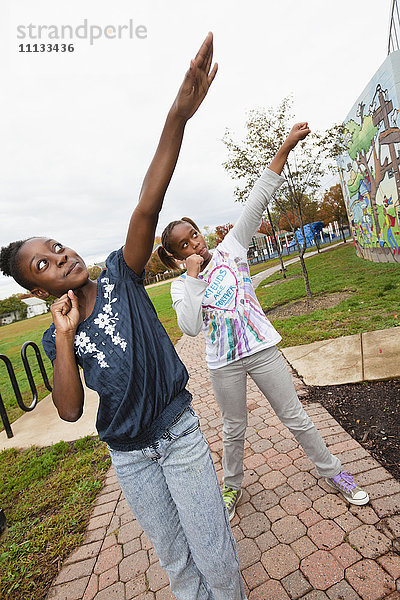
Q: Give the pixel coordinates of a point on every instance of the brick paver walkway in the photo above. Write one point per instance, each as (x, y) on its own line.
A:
(295, 538)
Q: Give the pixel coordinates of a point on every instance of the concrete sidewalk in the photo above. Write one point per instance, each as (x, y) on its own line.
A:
(367, 356)
(295, 538)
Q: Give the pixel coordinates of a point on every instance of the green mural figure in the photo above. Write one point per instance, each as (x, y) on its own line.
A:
(389, 226)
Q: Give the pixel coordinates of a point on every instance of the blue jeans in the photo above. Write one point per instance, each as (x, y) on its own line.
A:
(173, 491)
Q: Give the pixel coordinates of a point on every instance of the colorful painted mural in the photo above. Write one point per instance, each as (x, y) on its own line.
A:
(369, 169)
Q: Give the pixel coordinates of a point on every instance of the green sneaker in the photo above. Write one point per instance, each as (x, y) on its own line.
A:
(231, 498)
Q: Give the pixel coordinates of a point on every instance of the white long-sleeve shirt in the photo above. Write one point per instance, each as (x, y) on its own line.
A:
(222, 300)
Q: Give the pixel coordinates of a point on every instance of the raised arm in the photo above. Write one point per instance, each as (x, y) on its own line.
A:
(140, 238)
(264, 188)
(298, 132)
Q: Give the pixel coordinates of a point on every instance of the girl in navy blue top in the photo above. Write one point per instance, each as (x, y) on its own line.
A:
(111, 329)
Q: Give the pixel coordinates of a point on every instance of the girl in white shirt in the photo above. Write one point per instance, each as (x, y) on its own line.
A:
(216, 295)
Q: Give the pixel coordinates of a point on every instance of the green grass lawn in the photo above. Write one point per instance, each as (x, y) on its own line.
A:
(47, 495)
(374, 302)
(161, 298)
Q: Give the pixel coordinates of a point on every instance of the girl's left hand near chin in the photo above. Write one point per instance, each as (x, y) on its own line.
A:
(193, 264)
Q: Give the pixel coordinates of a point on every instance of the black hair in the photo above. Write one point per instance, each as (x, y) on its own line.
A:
(9, 263)
(164, 251)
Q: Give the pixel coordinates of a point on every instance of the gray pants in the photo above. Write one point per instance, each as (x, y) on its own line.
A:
(269, 372)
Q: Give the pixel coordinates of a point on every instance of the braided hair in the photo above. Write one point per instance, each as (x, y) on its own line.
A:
(164, 251)
(9, 263)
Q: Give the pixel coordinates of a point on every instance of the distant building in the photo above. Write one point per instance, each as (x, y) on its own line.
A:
(35, 306)
(8, 318)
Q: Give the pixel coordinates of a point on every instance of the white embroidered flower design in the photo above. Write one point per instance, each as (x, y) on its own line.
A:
(100, 357)
(105, 320)
(109, 329)
(83, 345)
(117, 339)
(82, 339)
(102, 320)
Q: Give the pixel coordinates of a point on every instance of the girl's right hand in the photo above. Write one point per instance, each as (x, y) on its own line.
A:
(197, 81)
(65, 313)
(193, 264)
(298, 132)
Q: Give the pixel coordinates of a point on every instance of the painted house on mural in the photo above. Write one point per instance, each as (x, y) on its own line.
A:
(369, 169)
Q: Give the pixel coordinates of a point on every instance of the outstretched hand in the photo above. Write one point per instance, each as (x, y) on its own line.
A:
(298, 132)
(197, 80)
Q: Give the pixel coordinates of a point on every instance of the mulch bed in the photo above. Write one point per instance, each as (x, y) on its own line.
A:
(369, 412)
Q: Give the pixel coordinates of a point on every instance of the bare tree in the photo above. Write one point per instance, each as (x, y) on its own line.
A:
(266, 131)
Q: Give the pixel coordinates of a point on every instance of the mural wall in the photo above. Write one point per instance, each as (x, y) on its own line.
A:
(369, 170)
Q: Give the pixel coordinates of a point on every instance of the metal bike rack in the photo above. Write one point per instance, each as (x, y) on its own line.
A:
(14, 383)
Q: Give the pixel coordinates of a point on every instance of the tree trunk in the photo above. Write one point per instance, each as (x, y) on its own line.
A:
(301, 256)
(283, 268)
(342, 230)
(302, 250)
(305, 276)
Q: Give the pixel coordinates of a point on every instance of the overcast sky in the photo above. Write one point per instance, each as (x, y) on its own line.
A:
(78, 130)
